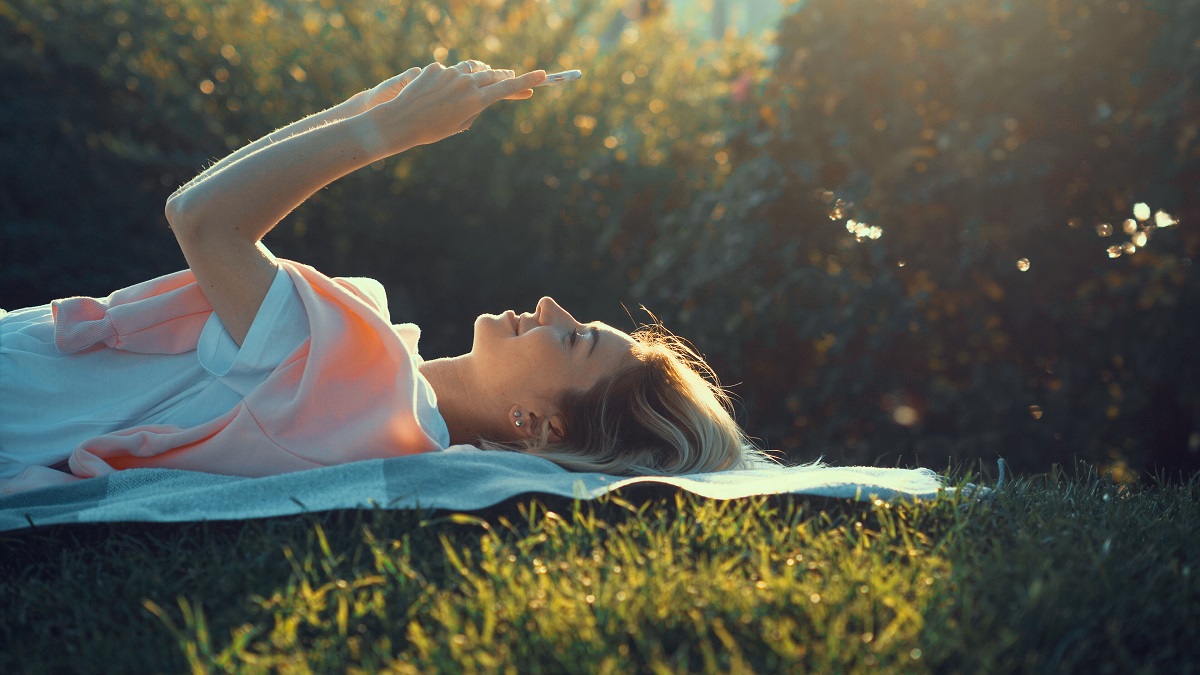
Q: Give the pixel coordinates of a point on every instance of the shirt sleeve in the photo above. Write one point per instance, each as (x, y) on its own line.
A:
(279, 327)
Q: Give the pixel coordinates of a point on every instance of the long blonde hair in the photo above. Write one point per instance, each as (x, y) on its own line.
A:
(664, 414)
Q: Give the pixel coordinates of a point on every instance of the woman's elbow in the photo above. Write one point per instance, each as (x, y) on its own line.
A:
(178, 219)
(175, 210)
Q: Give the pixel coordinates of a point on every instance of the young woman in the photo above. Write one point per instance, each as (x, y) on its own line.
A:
(246, 364)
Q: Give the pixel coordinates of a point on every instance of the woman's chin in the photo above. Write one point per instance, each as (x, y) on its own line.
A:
(488, 328)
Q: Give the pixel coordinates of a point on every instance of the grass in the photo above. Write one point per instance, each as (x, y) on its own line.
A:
(1057, 574)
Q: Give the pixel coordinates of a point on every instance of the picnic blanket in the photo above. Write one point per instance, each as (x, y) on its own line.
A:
(461, 478)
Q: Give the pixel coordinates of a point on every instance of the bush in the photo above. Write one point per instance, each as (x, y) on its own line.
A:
(904, 259)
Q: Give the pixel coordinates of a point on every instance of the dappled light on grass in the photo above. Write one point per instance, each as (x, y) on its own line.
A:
(674, 584)
(685, 584)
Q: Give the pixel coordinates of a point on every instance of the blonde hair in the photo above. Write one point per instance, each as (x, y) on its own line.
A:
(664, 414)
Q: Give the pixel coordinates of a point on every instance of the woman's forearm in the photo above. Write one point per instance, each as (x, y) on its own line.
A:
(251, 194)
(337, 112)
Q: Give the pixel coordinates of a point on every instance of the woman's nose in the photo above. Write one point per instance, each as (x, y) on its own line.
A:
(550, 312)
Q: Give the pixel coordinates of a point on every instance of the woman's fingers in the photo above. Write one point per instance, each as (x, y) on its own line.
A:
(471, 66)
(513, 87)
(386, 90)
(394, 84)
(410, 74)
(489, 78)
(502, 83)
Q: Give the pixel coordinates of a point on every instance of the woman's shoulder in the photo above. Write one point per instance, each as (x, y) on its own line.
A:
(368, 290)
(365, 289)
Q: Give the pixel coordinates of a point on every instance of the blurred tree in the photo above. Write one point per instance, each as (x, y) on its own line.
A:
(927, 245)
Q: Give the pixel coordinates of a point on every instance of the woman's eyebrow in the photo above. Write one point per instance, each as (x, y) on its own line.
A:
(595, 340)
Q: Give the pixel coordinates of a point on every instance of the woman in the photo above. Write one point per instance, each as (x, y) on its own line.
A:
(246, 364)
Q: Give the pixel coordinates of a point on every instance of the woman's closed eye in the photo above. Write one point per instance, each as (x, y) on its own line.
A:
(574, 338)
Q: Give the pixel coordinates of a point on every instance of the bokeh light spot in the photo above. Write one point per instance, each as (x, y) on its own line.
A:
(1163, 219)
(905, 416)
(838, 211)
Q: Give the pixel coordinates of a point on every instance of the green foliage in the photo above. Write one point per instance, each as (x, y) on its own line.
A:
(1060, 573)
(903, 257)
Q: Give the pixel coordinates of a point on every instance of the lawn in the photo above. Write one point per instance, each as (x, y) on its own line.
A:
(1059, 573)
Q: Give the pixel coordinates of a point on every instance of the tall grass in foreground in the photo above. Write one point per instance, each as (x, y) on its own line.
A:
(1058, 574)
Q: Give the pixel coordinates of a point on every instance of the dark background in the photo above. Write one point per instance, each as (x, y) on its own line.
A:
(999, 149)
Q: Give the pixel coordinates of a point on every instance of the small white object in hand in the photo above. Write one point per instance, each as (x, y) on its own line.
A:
(565, 76)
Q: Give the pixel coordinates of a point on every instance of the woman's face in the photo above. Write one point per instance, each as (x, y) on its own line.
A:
(528, 360)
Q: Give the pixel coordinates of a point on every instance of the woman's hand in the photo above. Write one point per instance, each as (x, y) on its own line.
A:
(423, 106)
(382, 92)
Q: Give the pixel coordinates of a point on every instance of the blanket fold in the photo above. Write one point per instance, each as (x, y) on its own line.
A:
(462, 478)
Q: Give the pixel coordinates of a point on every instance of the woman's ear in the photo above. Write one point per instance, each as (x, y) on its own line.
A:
(555, 426)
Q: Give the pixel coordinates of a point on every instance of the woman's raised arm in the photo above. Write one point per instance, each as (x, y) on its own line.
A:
(220, 218)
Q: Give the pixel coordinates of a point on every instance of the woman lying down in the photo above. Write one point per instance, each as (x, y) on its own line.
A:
(245, 364)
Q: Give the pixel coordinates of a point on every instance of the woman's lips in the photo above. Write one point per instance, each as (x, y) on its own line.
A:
(516, 321)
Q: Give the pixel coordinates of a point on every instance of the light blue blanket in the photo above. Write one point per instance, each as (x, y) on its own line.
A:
(462, 478)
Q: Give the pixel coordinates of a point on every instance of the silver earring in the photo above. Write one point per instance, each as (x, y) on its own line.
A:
(516, 413)
(518, 422)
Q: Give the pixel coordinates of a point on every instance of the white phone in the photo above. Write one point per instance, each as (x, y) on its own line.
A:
(565, 76)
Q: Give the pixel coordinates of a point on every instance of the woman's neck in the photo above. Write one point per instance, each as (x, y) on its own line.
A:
(458, 398)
